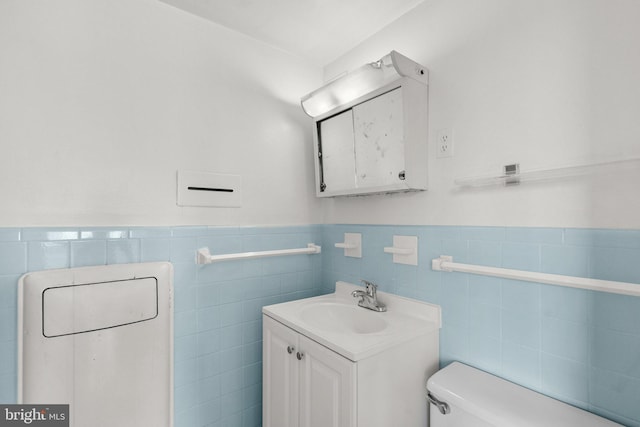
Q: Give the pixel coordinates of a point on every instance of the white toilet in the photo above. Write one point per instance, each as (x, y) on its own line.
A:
(462, 396)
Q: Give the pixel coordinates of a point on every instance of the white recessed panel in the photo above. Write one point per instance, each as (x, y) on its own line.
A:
(101, 340)
(89, 307)
(208, 189)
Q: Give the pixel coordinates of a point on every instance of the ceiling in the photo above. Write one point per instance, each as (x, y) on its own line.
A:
(316, 30)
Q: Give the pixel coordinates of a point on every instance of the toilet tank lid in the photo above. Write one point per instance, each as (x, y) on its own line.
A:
(502, 403)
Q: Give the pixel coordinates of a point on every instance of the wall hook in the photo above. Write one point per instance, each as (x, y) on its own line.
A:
(352, 245)
(404, 250)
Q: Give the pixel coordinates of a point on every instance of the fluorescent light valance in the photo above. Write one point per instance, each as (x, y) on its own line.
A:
(361, 81)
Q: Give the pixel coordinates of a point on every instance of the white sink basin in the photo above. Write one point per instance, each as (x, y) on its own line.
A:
(343, 318)
(337, 322)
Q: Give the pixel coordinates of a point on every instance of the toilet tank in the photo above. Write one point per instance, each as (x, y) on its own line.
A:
(477, 399)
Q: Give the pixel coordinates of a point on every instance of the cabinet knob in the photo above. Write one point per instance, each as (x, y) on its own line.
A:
(290, 349)
(299, 355)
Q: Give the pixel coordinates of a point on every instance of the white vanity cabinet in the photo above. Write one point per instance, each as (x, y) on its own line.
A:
(305, 383)
(329, 363)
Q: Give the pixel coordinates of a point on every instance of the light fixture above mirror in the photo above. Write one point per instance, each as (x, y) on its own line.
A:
(362, 81)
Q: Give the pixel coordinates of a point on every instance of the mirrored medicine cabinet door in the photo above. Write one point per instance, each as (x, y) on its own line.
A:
(373, 146)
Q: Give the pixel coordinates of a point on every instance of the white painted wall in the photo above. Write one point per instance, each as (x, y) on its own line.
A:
(544, 83)
(102, 101)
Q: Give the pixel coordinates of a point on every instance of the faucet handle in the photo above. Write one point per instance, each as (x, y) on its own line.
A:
(370, 287)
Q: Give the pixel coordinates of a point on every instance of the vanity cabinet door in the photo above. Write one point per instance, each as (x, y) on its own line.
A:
(327, 387)
(280, 385)
(304, 384)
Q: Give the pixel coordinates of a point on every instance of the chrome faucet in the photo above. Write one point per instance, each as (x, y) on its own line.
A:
(369, 297)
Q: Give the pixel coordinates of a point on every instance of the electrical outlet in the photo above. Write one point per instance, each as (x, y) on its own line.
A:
(444, 143)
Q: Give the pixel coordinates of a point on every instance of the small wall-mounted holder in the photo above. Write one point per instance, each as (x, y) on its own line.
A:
(404, 250)
(436, 263)
(512, 175)
(352, 245)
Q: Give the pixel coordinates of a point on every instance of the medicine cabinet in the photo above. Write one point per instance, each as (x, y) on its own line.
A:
(370, 129)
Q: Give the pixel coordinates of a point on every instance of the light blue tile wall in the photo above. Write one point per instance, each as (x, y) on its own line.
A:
(218, 325)
(579, 346)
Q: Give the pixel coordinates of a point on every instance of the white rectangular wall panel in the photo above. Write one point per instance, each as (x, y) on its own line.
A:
(101, 340)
